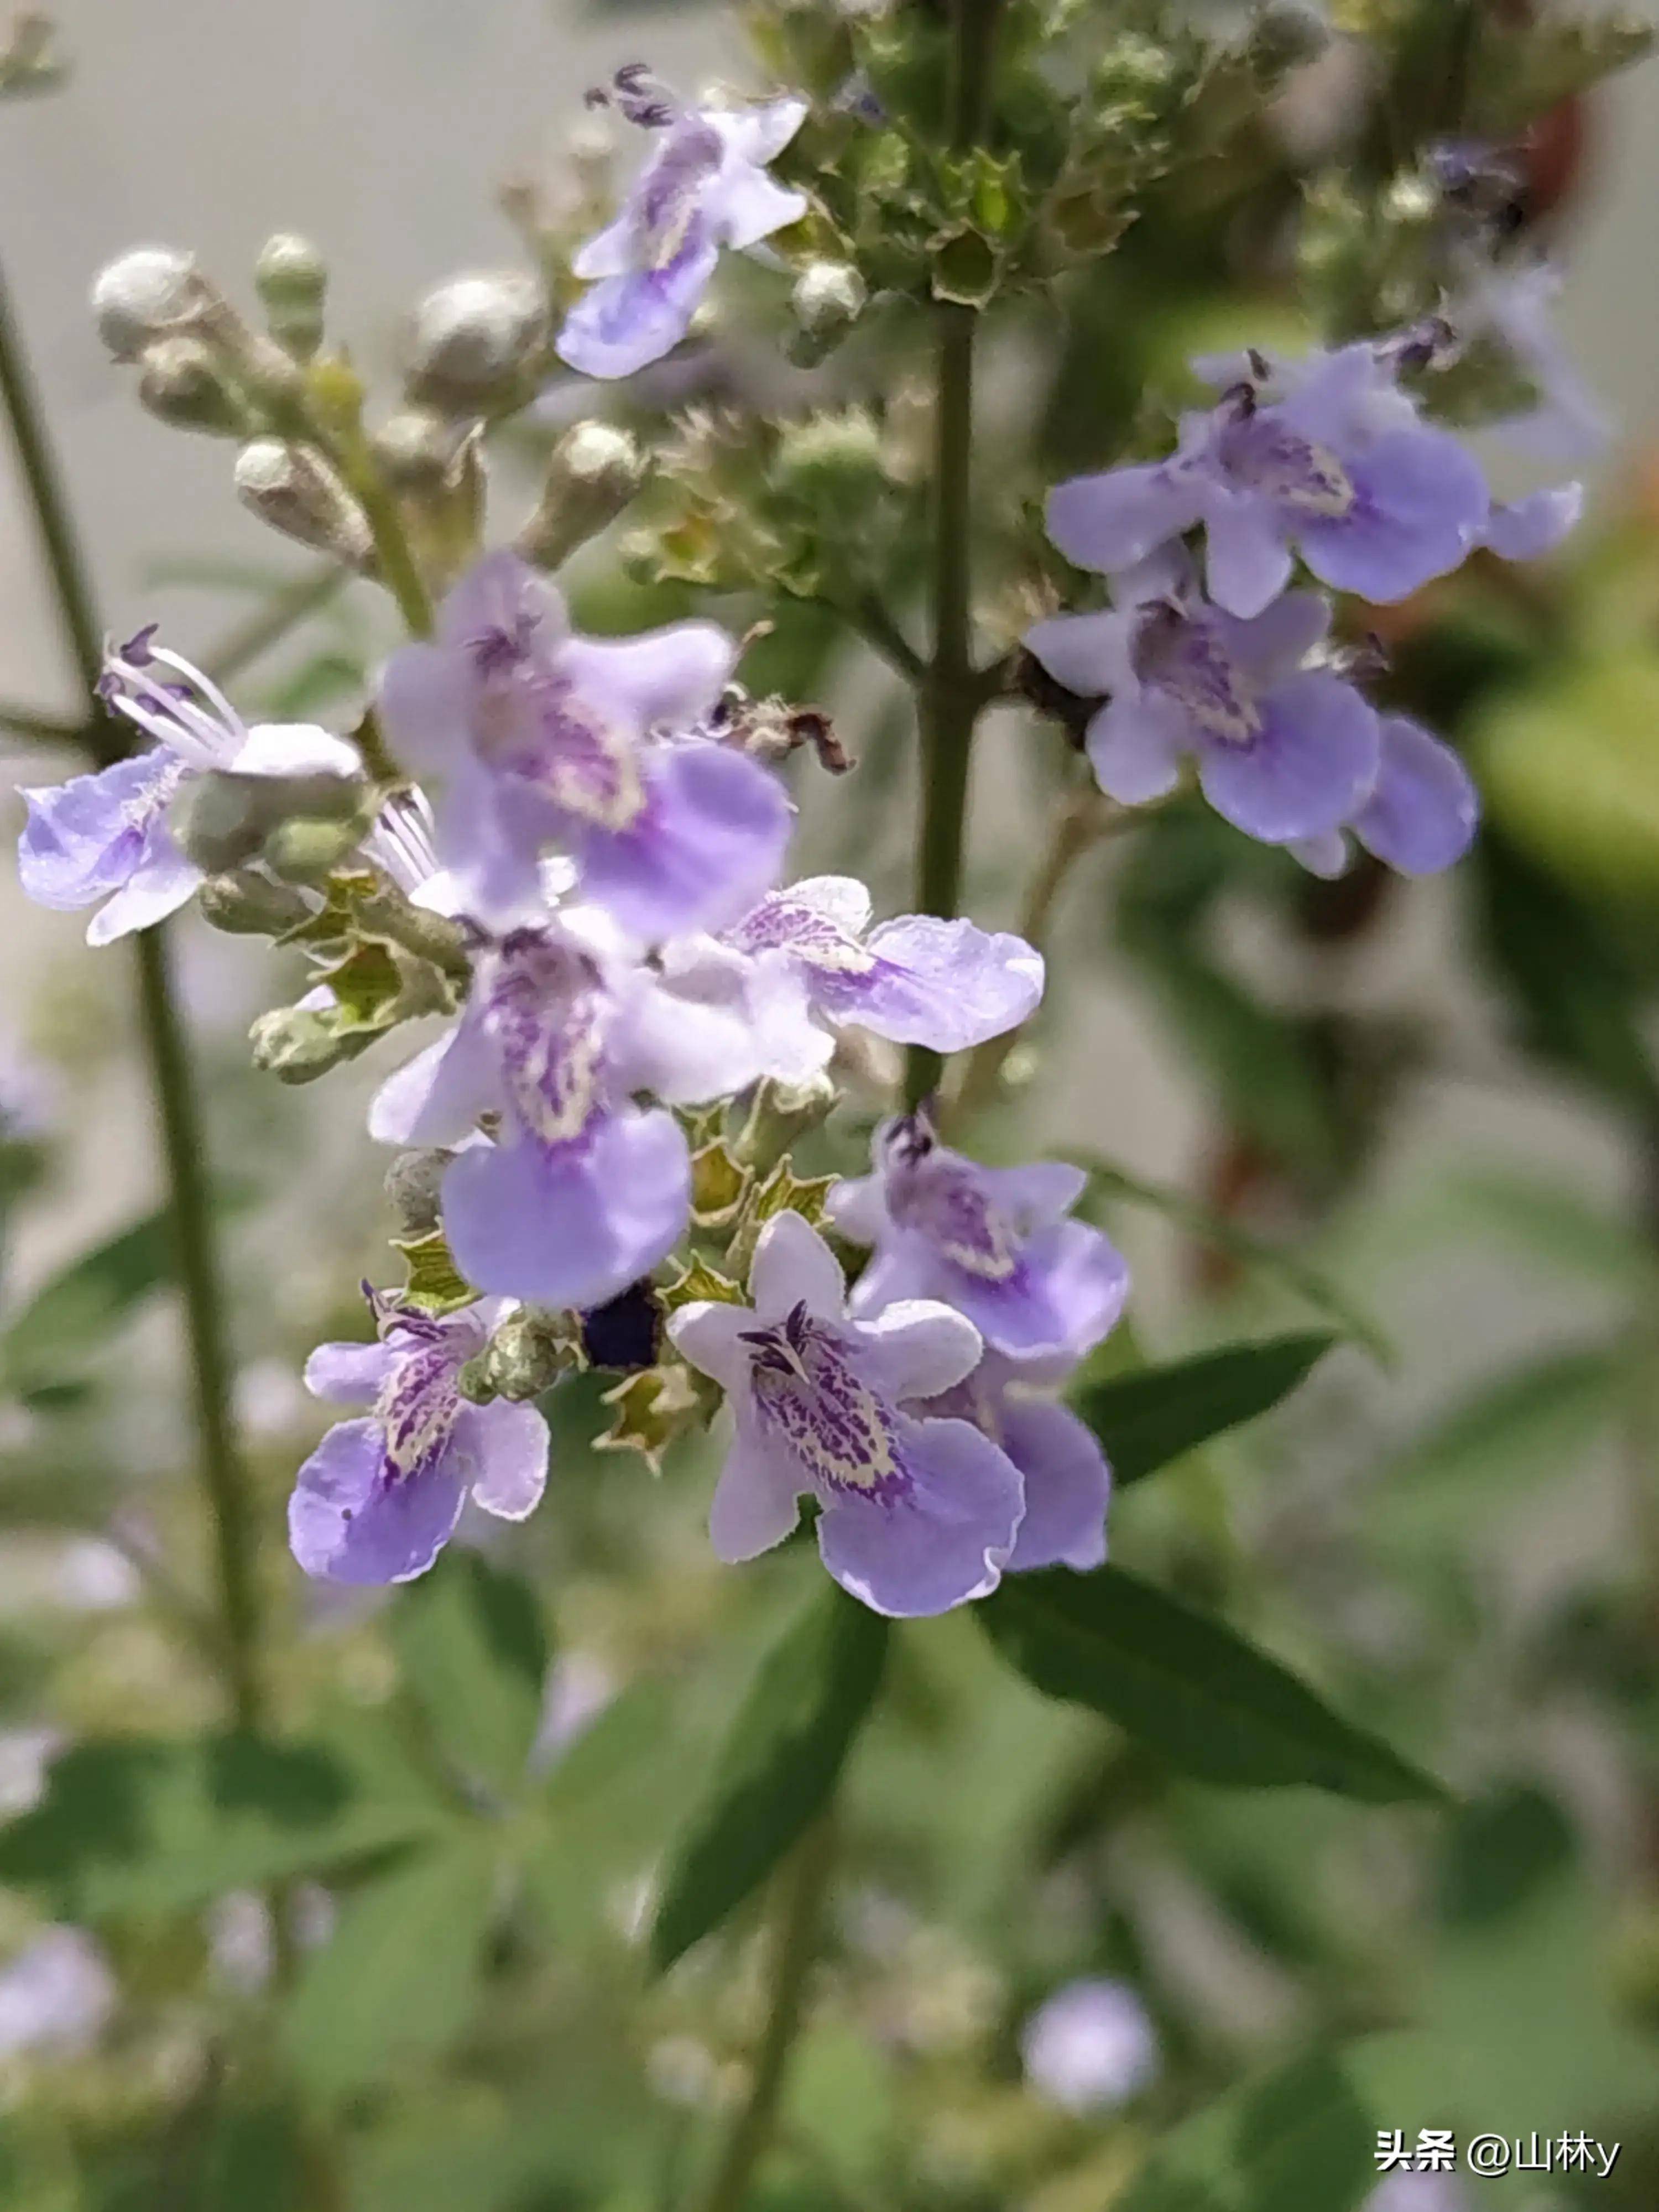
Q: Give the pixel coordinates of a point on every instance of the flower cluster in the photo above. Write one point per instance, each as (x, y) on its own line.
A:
(1327, 463)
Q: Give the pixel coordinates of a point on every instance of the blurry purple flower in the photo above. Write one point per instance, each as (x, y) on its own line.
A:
(704, 187)
(538, 738)
(105, 837)
(584, 1192)
(1090, 2047)
(1337, 467)
(55, 1995)
(1421, 815)
(1283, 751)
(915, 1515)
(1066, 1480)
(995, 1243)
(805, 957)
(1527, 529)
(1510, 304)
(378, 1498)
(1417, 2192)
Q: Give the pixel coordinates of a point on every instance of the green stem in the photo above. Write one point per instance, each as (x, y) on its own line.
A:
(802, 1885)
(171, 1077)
(399, 572)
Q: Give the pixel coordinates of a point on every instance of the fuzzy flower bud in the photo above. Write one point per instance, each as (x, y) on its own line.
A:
(247, 904)
(413, 1182)
(595, 470)
(291, 278)
(296, 1044)
(526, 1355)
(179, 382)
(296, 491)
(831, 465)
(828, 296)
(143, 294)
(474, 339)
(417, 448)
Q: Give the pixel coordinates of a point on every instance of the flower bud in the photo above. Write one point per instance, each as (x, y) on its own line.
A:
(526, 1355)
(413, 1183)
(828, 296)
(309, 847)
(296, 1044)
(291, 278)
(831, 465)
(143, 294)
(595, 470)
(295, 490)
(475, 339)
(179, 381)
(417, 449)
(245, 904)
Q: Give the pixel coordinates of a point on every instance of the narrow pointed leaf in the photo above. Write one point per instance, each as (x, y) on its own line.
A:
(1145, 1419)
(778, 1769)
(1195, 1691)
(473, 1648)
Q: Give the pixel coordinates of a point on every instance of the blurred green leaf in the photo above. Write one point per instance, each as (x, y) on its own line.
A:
(400, 1978)
(1530, 1420)
(778, 1768)
(252, 2161)
(1268, 1259)
(1549, 1220)
(65, 1323)
(1144, 1420)
(1188, 1685)
(472, 1645)
(1499, 1851)
(151, 1826)
(1302, 2139)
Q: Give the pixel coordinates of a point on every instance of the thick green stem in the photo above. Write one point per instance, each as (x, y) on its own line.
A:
(802, 1887)
(171, 1078)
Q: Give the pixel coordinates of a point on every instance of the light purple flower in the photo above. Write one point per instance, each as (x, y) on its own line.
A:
(805, 962)
(1417, 2192)
(704, 187)
(1421, 815)
(538, 737)
(1285, 752)
(583, 1192)
(915, 1515)
(1090, 2047)
(1329, 459)
(1510, 304)
(1064, 1472)
(378, 1498)
(105, 837)
(995, 1243)
(56, 1996)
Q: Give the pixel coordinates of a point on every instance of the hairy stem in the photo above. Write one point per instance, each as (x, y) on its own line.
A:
(802, 1886)
(170, 1077)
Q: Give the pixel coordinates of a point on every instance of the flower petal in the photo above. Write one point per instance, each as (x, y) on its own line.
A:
(709, 1334)
(347, 1524)
(437, 1097)
(350, 1373)
(793, 1265)
(623, 323)
(942, 1544)
(948, 985)
(711, 838)
(1247, 561)
(1423, 814)
(917, 1348)
(158, 889)
(1530, 528)
(756, 1502)
(500, 1452)
(1111, 521)
(1423, 503)
(1314, 763)
(1068, 1486)
(1087, 654)
(87, 837)
(1134, 746)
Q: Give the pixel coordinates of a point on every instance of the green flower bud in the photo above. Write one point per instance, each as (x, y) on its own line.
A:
(142, 295)
(527, 1355)
(247, 904)
(291, 278)
(180, 382)
(413, 1182)
(595, 470)
(296, 1044)
(474, 340)
(295, 490)
(309, 850)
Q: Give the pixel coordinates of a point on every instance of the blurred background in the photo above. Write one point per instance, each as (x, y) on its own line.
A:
(1435, 1105)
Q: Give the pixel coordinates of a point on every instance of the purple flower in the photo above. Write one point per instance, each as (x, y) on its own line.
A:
(56, 1995)
(805, 961)
(1090, 2047)
(1509, 304)
(1420, 816)
(1329, 460)
(1064, 1472)
(105, 837)
(915, 1515)
(378, 1498)
(1283, 751)
(705, 187)
(995, 1243)
(583, 1191)
(541, 738)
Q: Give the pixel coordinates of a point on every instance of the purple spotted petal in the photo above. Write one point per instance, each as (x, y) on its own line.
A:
(1423, 814)
(351, 1374)
(1313, 763)
(1063, 1298)
(710, 840)
(624, 323)
(436, 1097)
(89, 837)
(1111, 521)
(659, 679)
(942, 1543)
(573, 1225)
(348, 1522)
(948, 985)
(1068, 1486)
(1421, 503)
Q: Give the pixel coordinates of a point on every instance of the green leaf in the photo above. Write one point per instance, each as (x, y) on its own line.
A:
(1223, 1235)
(1302, 2137)
(1548, 1221)
(1144, 1420)
(136, 1825)
(67, 1321)
(778, 1769)
(400, 1977)
(473, 1648)
(1532, 1419)
(1192, 1689)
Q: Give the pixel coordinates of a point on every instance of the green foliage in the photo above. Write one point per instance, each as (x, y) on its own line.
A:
(1187, 1686)
(68, 1321)
(473, 1649)
(777, 1770)
(1303, 2136)
(1145, 1419)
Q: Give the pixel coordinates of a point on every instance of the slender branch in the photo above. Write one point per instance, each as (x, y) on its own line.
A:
(399, 570)
(170, 1077)
(878, 628)
(802, 1886)
(1082, 819)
